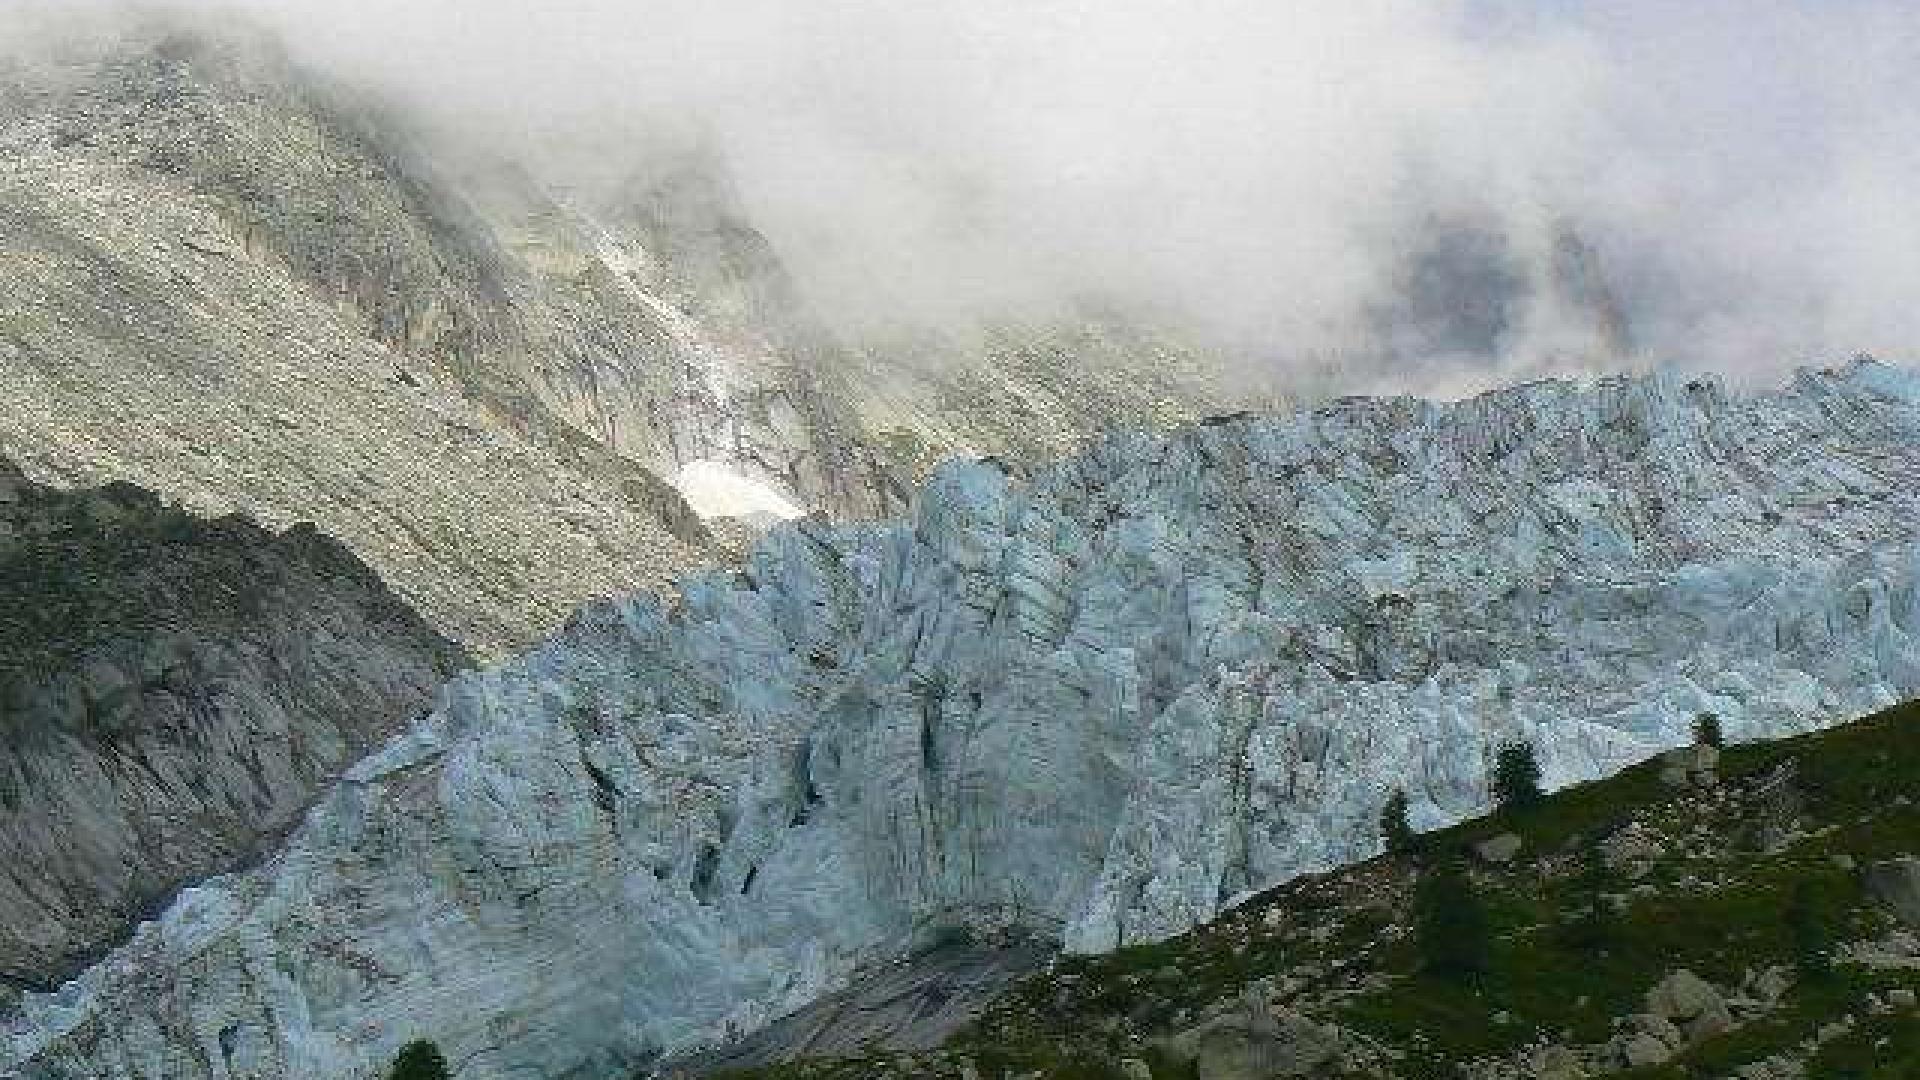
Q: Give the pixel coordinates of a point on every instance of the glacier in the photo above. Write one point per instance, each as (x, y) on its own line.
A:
(1097, 702)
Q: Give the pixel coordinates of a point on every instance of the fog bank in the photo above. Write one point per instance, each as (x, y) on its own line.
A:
(1460, 191)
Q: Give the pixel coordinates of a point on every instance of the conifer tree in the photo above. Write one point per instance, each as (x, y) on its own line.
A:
(1516, 776)
(419, 1060)
(1706, 731)
(1395, 831)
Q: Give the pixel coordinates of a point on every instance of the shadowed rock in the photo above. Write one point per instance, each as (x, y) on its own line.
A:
(173, 693)
(912, 1004)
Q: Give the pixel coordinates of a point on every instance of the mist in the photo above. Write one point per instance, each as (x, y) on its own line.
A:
(1429, 195)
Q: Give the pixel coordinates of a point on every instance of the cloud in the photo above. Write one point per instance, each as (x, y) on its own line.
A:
(1415, 191)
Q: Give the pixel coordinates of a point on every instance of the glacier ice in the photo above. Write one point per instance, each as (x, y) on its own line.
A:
(1098, 702)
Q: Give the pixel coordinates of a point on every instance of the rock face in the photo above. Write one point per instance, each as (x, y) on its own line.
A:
(173, 693)
(1896, 884)
(243, 285)
(1256, 1046)
(227, 285)
(912, 1005)
(1097, 705)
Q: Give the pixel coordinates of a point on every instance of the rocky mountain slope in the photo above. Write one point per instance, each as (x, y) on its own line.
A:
(1752, 914)
(173, 693)
(222, 290)
(254, 288)
(1095, 705)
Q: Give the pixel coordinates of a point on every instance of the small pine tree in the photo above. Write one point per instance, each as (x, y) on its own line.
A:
(1395, 830)
(1706, 731)
(419, 1060)
(1516, 776)
(1450, 927)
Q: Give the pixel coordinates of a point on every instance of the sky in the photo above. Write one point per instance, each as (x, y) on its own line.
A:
(1301, 180)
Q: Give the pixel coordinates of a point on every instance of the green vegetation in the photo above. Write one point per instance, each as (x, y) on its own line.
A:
(1449, 925)
(419, 1060)
(1516, 776)
(84, 566)
(1395, 832)
(1753, 883)
(1706, 731)
(1810, 937)
(1590, 928)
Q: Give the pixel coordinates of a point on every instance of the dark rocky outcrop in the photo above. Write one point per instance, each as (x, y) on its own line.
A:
(173, 692)
(915, 1004)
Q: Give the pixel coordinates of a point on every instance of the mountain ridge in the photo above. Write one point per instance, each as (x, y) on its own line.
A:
(303, 304)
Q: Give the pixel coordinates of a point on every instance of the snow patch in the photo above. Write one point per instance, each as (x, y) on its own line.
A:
(716, 490)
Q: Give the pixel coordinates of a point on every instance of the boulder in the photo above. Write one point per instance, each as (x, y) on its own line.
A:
(1499, 850)
(1655, 1026)
(1772, 984)
(1690, 765)
(1641, 1050)
(1895, 884)
(1712, 1020)
(1682, 996)
(1555, 1062)
(1256, 1046)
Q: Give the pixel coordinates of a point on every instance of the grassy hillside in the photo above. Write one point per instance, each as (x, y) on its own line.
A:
(1737, 919)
